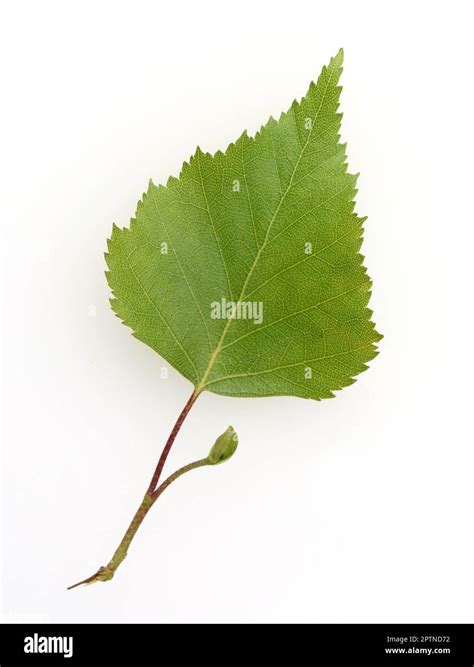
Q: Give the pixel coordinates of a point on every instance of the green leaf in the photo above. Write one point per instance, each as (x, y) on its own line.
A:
(270, 227)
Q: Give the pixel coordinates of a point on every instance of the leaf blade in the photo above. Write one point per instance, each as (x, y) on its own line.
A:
(247, 245)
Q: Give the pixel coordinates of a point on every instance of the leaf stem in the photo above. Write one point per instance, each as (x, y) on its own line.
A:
(169, 443)
(107, 572)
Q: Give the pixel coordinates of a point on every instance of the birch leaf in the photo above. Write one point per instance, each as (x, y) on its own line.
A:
(244, 273)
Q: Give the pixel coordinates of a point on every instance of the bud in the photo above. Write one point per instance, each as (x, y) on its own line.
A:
(224, 447)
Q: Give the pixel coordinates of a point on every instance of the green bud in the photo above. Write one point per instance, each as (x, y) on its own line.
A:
(224, 447)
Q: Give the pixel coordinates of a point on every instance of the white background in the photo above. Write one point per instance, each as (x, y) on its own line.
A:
(357, 509)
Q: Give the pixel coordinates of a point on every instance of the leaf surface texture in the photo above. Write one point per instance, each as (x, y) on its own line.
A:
(271, 221)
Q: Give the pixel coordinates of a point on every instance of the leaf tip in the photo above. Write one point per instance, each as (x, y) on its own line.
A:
(338, 58)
